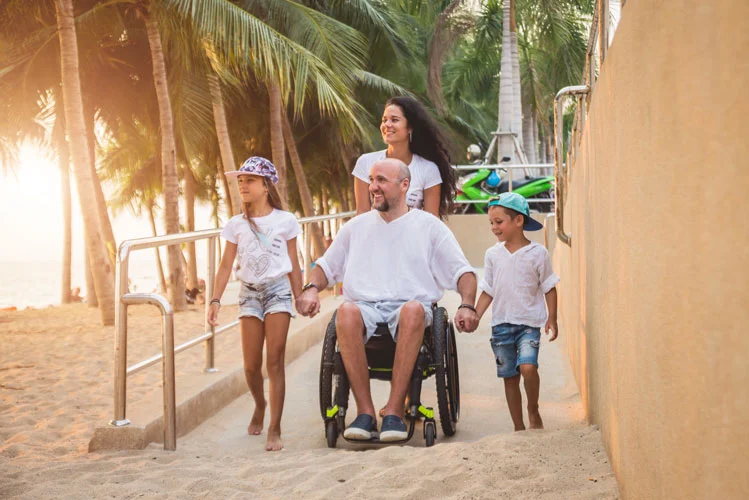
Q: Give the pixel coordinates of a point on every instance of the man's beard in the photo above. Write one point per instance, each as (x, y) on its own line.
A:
(383, 206)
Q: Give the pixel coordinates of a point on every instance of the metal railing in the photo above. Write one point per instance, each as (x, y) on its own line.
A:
(598, 43)
(168, 351)
(510, 167)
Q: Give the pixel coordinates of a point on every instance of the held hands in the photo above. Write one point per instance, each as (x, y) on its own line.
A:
(466, 319)
(212, 314)
(551, 324)
(308, 302)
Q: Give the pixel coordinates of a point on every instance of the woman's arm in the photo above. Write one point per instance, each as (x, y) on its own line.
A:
(222, 278)
(432, 200)
(295, 276)
(361, 194)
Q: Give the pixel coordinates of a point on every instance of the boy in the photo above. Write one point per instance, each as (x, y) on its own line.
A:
(517, 278)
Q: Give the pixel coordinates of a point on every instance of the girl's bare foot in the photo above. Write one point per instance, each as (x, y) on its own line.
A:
(520, 428)
(274, 440)
(256, 424)
(534, 420)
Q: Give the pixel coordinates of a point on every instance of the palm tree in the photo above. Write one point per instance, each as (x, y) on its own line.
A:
(73, 105)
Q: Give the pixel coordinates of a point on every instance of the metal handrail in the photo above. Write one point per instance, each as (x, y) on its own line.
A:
(124, 298)
(597, 39)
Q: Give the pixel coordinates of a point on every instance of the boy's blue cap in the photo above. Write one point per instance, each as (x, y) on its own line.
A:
(514, 201)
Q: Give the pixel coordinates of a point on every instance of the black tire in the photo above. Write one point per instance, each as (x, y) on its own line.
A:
(430, 433)
(327, 369)
(331, 433)
(453, 376)
(543, 207)
(444, 361)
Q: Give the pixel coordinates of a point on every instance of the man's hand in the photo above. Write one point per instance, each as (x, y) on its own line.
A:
(466, 320)
(551, 324)
(308, 303)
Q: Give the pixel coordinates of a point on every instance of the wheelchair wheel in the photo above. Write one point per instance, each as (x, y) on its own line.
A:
(331, 433)
(430, 433)
(327, 370)
(447, 376)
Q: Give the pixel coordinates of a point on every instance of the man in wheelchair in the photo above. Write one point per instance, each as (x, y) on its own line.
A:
(394, 264)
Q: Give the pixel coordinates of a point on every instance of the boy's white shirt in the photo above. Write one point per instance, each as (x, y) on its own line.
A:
(424, 174)
(263, 257)
(518, 283)
(414, 257)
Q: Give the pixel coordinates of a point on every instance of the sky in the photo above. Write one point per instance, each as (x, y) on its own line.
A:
(31, 225)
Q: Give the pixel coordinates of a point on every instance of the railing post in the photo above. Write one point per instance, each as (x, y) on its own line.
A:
(170, 399)
(120, 340)
(210, 344)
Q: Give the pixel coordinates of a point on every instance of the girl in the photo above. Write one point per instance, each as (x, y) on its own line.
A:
(414, 138)
(263, 241)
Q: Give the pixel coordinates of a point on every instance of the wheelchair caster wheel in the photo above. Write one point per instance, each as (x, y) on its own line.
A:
(331, 433)
(430, 433)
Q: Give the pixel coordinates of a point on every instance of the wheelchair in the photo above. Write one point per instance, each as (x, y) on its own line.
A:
(437, 357)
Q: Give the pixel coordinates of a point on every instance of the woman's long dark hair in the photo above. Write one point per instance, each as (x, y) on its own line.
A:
(427, 141)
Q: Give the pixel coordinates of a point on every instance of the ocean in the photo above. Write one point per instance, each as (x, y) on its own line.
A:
(37, 283)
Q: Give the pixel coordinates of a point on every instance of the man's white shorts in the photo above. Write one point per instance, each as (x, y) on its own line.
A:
(387, 312)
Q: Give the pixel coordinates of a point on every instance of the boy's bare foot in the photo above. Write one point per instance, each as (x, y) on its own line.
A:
(521, 428)
(534, 420)
(274, 440)
(256, 424)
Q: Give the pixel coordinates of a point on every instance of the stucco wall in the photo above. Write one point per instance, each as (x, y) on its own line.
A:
(654, 298)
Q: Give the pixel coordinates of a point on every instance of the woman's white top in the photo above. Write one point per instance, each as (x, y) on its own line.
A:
(262, 256)
(424, 174)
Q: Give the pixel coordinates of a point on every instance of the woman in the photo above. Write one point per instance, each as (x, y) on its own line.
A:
(413, 137)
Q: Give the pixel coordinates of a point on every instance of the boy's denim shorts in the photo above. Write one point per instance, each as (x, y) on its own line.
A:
(265, 298)
(514, 345)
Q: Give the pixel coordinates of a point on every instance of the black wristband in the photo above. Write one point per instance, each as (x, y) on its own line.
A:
(214, 301)
(310, 285)
(467, 306)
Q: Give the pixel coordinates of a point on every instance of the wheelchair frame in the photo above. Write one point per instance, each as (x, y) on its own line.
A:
(437, 356)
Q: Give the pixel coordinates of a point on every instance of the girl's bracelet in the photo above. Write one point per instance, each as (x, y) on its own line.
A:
(214, 301)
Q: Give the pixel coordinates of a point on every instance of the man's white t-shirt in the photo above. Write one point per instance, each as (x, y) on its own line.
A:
(262, 257)
(518, 283)
(424, 174)
(414, 257)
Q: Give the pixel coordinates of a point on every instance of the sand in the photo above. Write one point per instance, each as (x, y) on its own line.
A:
(56, 384)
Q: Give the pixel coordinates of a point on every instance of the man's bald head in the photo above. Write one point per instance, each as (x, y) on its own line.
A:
(393, 168)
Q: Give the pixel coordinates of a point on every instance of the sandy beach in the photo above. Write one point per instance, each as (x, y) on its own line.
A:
(56, 385)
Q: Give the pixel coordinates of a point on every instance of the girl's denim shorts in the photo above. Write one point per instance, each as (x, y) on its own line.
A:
(265, 298)
(514, 345)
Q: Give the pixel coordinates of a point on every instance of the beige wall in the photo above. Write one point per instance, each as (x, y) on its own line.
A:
(654, 298)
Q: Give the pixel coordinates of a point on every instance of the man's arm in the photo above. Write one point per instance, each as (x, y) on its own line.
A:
(308, 302)
(466, 318)
(551, 323)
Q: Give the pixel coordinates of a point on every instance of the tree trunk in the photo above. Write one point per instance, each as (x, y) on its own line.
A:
(529, 146)
(192, 264)
(102, 269)
(442, 38)
(233, 205)
(160, 267)
(517, 105)
(90, 285)
(506, 147)
(276, 139)
(175, 283)
(301, 179)
(63, 159)
(101, 202)
(227, 190)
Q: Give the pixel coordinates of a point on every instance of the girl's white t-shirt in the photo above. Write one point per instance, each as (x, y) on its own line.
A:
(424, 174)
(263, 256)
(518, 283)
